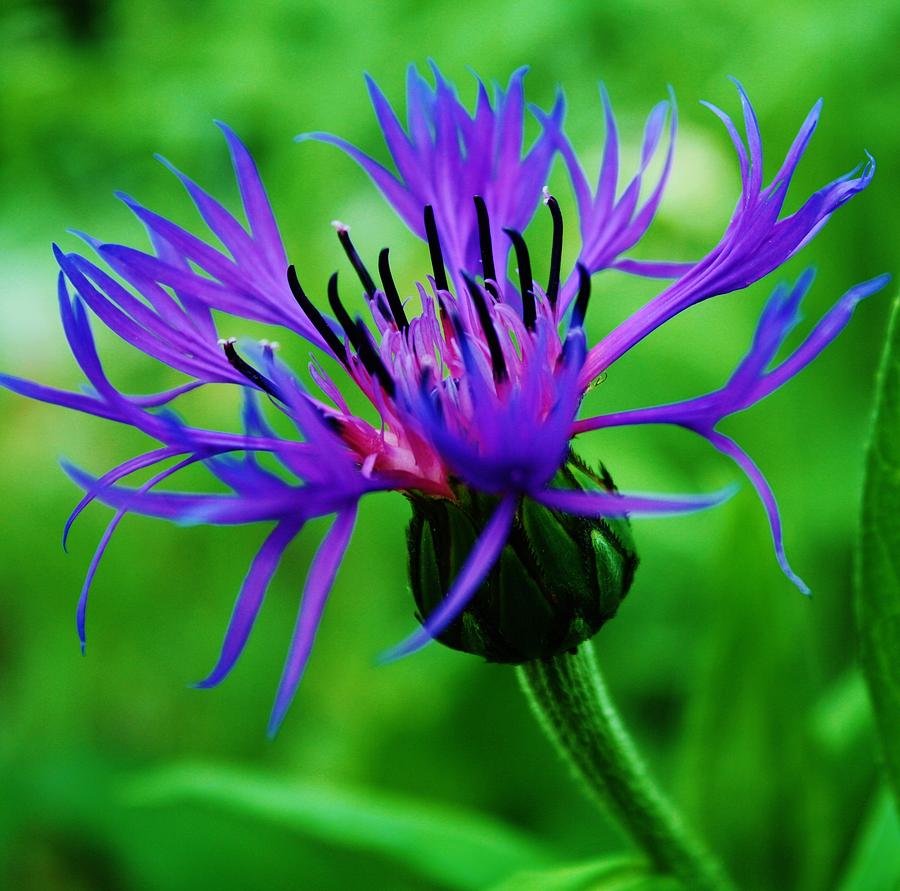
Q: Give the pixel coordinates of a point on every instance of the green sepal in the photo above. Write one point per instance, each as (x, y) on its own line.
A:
(558, 579)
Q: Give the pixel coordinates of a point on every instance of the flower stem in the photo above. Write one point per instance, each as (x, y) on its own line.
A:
(570, 700)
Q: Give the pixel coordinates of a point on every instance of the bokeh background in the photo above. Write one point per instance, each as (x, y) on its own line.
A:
(743, 694)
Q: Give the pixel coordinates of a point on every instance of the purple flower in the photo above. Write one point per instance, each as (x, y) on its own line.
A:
(476, 380)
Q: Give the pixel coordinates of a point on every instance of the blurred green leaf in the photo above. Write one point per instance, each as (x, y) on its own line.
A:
(875, 862)
(878, 576)
(842, 716)
(447, 845)
(608, 874)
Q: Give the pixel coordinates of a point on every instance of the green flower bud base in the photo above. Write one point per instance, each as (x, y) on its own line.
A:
(570, 700)
(558, 579)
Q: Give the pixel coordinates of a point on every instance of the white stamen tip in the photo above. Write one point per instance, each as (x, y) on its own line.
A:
(546, 193)
(274, 346)
(226, 341)
(339, 226)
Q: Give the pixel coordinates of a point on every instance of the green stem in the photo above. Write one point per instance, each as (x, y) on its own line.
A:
(570, 700)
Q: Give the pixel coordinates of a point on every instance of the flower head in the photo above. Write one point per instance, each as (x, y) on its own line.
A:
(475, 381)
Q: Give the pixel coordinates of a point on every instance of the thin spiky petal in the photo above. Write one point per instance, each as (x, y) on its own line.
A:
(321, 577)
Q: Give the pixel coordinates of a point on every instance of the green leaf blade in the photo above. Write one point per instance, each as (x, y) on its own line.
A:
(449, 846)
(878, 564)
(875, 861)
(616, 873)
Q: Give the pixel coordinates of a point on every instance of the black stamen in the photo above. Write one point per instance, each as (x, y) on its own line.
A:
(315, 317)
(371, 361)
(341, 313)
(390, 290)
(368, 282)
(555, 250)
(526, 283)
(360, 338)
(498, 363)
(484, 240)
(581, 301)
(434, 248)
(249, 372)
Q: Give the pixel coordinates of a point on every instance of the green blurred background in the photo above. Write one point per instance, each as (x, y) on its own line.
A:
(742, 693)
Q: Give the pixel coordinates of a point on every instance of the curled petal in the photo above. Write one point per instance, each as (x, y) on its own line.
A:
(729, 447)
(81, 612)
(113, 476)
